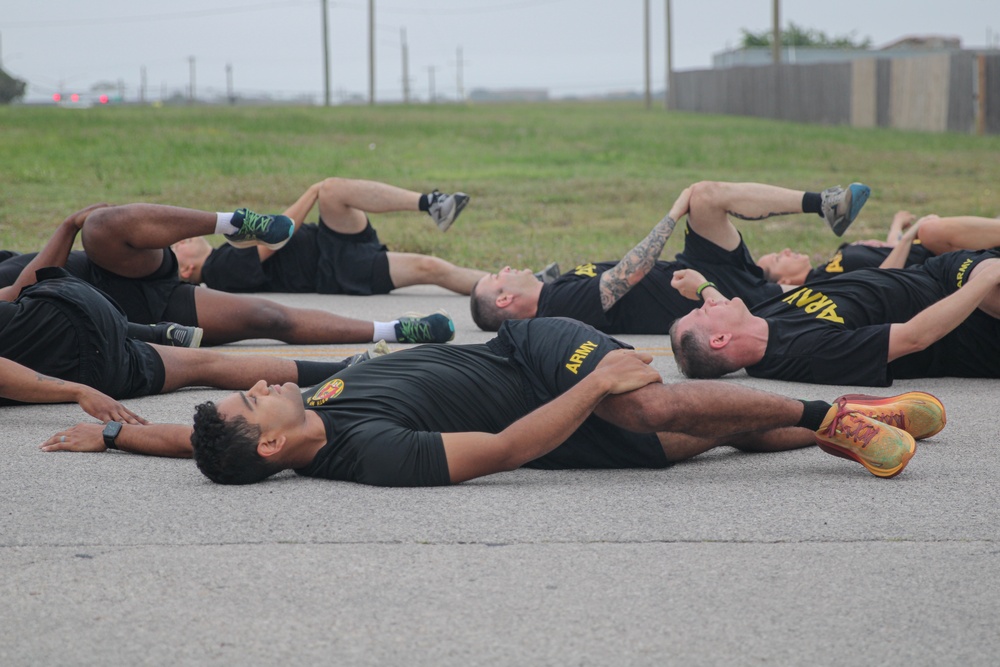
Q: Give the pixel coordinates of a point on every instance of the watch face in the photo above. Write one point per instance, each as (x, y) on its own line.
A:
(111, 429)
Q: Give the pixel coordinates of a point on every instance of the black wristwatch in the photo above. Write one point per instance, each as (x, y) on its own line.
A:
(111, 431)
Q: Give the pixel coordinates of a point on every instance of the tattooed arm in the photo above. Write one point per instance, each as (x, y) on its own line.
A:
(636, 264)
(22, 384)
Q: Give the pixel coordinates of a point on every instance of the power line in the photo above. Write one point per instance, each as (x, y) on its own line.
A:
(155, 17)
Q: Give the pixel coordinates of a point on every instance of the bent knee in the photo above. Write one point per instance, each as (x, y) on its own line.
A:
(331, 189)
(705, 194)
(933, 235)
(104, 225)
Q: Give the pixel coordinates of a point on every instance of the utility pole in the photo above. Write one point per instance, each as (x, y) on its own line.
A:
(142, 85)
(406, 67)
(430, 82)
(371, 52)
(458, 75)
(229, 84)
(191, 91)
(668, 90)
(326, 53)
(645, 51)
(776, 31)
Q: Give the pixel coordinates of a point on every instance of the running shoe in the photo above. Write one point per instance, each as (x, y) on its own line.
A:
(840, 207)
(549, 273)
(177, 335)
(272, 231)
(918, 413)
(884, 450)
(379, 349)
(434, 328)
(445, 208)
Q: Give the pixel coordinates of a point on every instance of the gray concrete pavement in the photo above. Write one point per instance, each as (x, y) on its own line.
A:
(795, 558)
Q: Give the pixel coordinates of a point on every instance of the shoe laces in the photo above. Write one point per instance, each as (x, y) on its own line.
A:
(862, 432)
(254, 223)
(414, 329)
(897, 419)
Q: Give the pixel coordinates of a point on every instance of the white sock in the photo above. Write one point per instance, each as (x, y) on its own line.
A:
(385, 330)
(224, 224)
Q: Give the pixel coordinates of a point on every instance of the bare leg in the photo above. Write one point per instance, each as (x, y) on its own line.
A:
(344, 202)
(693, 417)
(226, 318)
(941, 235)
(713, 202)
(130, 240)
(186, 367)
(344, 205)
(413, 269)
(680, 447)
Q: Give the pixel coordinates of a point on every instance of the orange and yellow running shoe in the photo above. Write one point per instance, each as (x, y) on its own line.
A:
(916, 412)
(883, 449)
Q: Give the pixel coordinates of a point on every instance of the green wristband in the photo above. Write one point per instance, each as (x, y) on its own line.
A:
(703, 286)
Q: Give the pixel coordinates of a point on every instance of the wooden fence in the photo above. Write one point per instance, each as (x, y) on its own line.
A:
(945, 92)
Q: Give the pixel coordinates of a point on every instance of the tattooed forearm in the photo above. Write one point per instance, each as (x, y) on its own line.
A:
(46, 378)
(636, 264)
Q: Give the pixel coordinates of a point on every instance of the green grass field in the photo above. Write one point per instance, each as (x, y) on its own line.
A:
(563, 181)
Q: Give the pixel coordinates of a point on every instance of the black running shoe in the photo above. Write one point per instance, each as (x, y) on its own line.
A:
(841, 206)
(434, 328)
(549, 273)
(445, 208)
(272, 231)
(177, 335)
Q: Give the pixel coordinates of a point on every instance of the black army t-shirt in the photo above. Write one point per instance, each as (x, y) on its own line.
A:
(384, 418)
(837, 331)
(652, 305)
(851, 257)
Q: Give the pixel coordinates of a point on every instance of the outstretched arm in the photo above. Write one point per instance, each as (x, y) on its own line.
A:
(935, 322)
(55, 252)
(20, 383)
(639, 260)
(151, 439)
(471, 455)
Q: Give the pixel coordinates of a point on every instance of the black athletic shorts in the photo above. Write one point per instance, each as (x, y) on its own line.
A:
(158, 297)
(352, 263)
(554, 354)
(65, 328)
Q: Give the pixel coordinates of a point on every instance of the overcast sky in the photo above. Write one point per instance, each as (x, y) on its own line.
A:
(565, 46)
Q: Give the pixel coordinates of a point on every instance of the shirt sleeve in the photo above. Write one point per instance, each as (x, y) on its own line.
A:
(392, 455)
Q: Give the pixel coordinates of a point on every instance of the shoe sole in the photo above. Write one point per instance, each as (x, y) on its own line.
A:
(257, 242)
(460, 204)
(851, 456)
(859, 195)
(863, 401)
(250, 243)
(196, 338)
